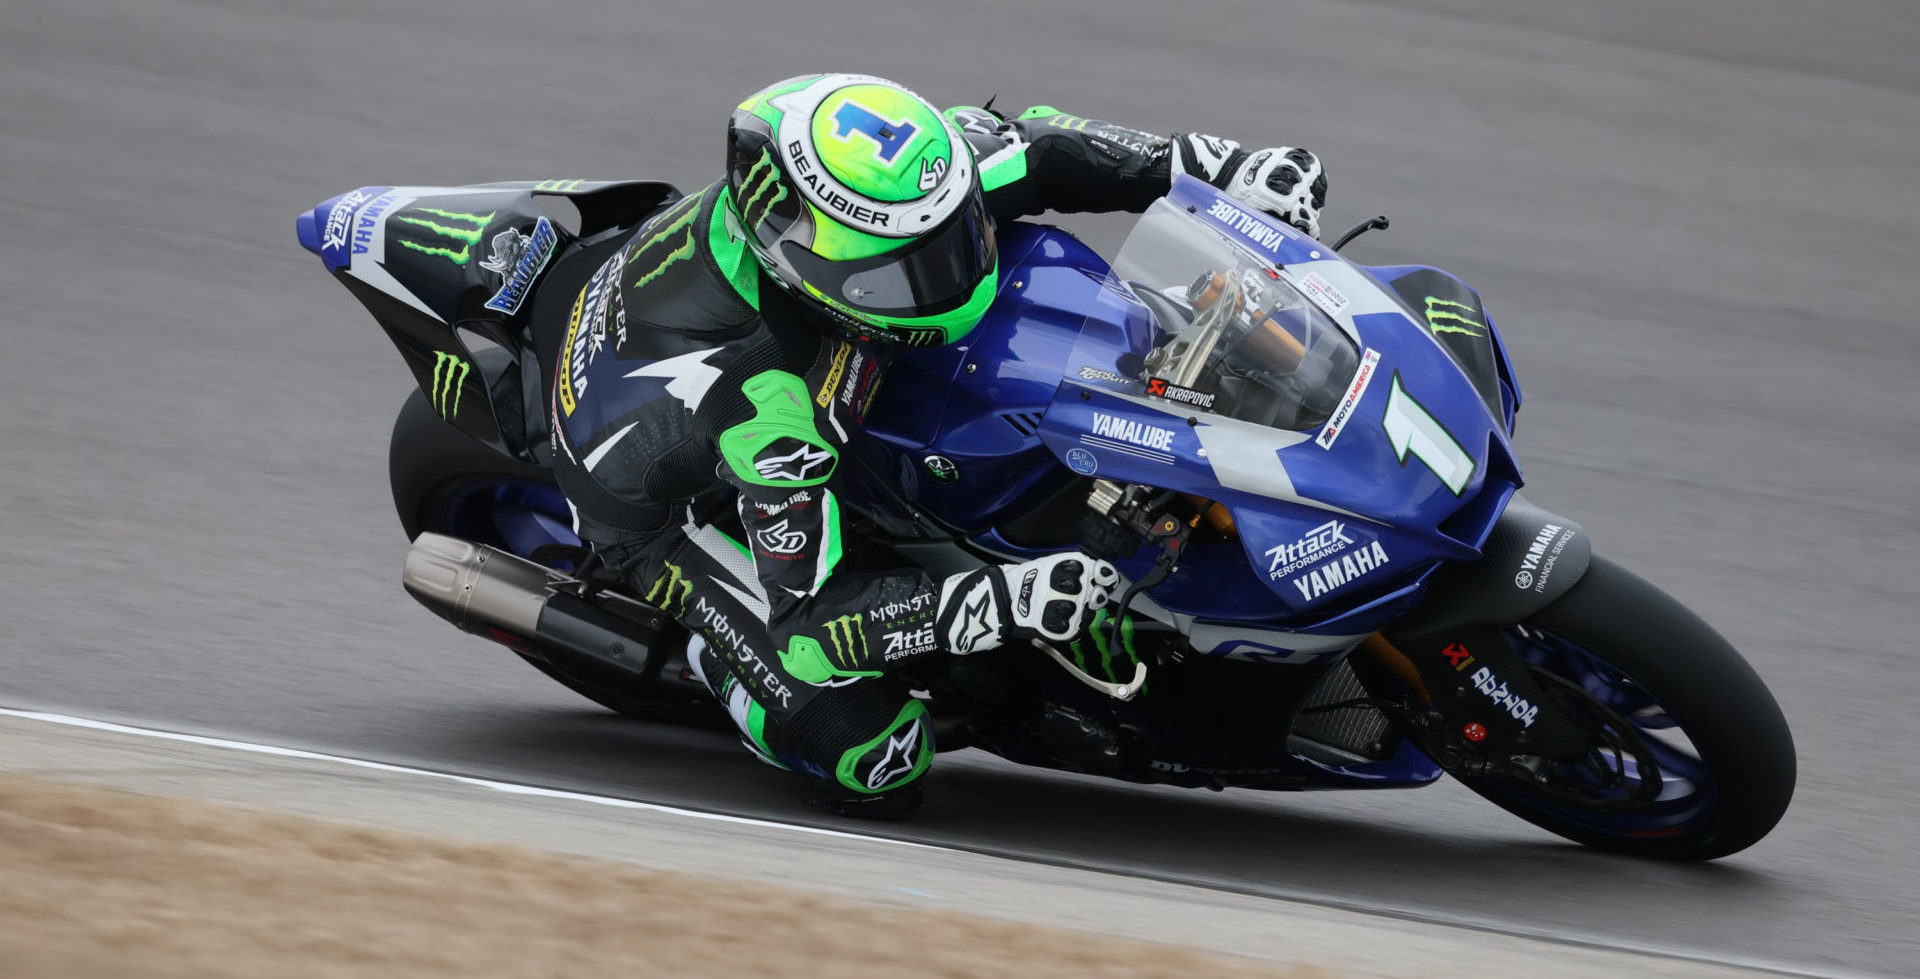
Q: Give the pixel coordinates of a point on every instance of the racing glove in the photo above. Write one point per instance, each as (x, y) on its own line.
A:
(1050, 598)
(1284, 181)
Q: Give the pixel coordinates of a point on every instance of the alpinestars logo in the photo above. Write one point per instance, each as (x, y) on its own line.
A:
(446, 229)
(899, 758)
(978, 622)
(795, 466)
(779, 540)
(449, 378)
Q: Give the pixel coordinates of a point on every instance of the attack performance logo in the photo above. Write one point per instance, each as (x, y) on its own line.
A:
(1317, 545)
(444, 234)
(519, 259)
(449, 378)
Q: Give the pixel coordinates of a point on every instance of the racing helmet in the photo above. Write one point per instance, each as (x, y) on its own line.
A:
(862, 201)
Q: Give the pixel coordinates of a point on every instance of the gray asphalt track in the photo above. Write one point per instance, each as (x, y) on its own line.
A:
(1697, 225)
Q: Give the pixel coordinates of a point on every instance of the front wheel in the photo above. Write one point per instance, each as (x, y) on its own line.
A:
(1691, 758)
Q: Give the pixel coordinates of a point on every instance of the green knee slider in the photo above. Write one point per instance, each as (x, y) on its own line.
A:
(903, 752)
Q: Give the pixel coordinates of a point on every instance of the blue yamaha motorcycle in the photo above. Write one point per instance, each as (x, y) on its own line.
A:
(1303, 467)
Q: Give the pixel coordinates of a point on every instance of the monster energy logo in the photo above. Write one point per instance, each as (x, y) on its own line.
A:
(676, 232)
(670, 590)
(449, 378)
(1097, 632)
(467, 237)
(559, 186)
(920, 336)
(1441, 315)
(845, 631)
(763, 177)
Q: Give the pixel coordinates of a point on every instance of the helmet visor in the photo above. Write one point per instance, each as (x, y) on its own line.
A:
(934, 274)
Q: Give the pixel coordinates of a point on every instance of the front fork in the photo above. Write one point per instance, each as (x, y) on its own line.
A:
(1472, 699)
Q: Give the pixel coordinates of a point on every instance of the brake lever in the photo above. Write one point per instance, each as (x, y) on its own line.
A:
(1118, 691)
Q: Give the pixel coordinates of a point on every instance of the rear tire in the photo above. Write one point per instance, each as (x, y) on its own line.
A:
(1670, 672)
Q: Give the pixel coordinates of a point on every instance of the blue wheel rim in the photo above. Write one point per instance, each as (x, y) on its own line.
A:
(1689, 795)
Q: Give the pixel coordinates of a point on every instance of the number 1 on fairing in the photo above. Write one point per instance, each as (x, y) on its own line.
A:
(1413, 430)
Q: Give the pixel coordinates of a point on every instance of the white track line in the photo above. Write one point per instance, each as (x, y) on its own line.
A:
(1380, 910)
(510, 788)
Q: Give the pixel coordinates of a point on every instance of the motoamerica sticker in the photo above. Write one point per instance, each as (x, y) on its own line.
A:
(1343, 412)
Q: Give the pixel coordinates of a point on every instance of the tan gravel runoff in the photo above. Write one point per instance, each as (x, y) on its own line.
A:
(98, 883)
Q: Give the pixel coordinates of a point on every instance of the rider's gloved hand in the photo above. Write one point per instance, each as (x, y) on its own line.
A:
(1284, 181)
(1050, 598)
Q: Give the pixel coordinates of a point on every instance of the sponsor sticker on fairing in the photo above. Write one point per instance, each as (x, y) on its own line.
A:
(1160, 387)
(1343, 412)
(519, 259)
(1316, 545)
(1342, 571)
(1536, 565)
(1496, 690)
(1253, 230)
(1330, 300)
(1096, 374)
(1120, 434)
(340, 217)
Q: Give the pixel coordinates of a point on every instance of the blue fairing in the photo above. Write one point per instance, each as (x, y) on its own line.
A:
(1022, 422)
(995, 386)
(328, 229)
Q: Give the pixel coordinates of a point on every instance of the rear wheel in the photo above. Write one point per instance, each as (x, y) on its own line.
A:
(1690, 759)
(446, 482)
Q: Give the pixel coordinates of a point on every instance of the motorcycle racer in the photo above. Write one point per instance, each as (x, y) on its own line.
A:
(713, 368)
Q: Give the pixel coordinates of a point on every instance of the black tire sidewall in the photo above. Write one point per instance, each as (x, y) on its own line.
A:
(1720, 702)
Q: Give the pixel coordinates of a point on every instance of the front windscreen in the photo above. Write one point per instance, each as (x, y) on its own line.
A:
(1191, 317)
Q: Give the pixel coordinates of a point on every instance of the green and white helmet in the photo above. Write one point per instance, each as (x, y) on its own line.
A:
(863, 201)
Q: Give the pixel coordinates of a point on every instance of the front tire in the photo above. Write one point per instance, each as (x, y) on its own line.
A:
(1702, 763)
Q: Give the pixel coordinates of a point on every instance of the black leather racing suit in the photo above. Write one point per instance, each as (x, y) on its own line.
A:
(680, 338)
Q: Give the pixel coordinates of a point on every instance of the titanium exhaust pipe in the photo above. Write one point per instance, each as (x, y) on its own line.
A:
(610, 639)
